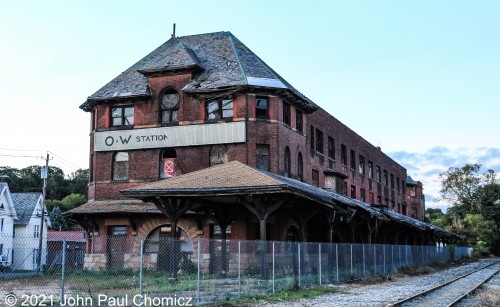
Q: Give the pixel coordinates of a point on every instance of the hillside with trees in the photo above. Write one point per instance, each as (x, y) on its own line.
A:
(64, 192)
(475, 207)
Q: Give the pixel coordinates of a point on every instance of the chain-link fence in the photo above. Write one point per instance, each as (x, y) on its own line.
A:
(164, 271)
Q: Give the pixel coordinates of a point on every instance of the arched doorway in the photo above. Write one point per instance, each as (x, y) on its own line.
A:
(160, 242)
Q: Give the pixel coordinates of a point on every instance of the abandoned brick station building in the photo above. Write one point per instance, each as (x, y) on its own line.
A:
(205, 100)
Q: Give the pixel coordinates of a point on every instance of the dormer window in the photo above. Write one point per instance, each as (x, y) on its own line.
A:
(169, 107)
(122, 116)
(219, 109)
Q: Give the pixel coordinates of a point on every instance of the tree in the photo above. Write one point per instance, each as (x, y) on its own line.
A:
(483, 233)
(58, 221)
(459, 187)
(475, 210)
(73, 200)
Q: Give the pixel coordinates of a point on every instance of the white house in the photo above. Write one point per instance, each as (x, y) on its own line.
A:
(20, 222)
(7, 217)
(27, 231)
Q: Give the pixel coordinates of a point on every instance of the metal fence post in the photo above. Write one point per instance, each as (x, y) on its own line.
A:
(299, 261)
(364, 265)
(337, 260)
(198, 274)
(351, 264)
(141, 270)
(63, 264)
(273, 267)
(239, 268)
(319, 259)
(384, 256)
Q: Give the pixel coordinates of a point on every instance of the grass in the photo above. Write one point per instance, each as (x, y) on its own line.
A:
(280, 296)
(488, 299)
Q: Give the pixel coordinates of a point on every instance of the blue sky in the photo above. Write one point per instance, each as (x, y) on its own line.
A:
(418, 78)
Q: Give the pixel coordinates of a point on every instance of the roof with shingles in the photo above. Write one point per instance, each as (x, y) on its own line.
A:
(224, 62)
(25, 204)
(114, 206)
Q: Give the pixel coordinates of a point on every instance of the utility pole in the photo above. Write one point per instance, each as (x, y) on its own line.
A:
(44, 175)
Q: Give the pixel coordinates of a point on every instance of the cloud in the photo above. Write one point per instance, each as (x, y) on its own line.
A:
(427, 165)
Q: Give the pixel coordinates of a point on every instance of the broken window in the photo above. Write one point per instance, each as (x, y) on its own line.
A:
(218, 155)
(331, 148)
(319, 141)
(300, 167)
(122, 116)
(312, 137)
(120, 166)
(362, 195)
(315, 178)
(398, 185)
(370, 169)
(361, 165)
(298, 120)
(219, 109)
(262, 107)
(353, 191)
(353, 159)
(167, 163)
(386, 179)
(379, 178)
(262, 157)
(286, 113)
(287, 164)
(169, 107)
(343, 154)
(392, 181)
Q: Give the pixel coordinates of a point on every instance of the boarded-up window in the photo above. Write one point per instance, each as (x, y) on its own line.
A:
(287, 163)
(169, 107)
(167, 163)
(120, 166)
(262, 157)
(218, 155)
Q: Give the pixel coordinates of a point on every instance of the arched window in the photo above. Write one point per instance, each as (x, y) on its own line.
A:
(169, 106)
(120, 166)
(287, 172)
(167, 163)
(300, 167)
(218, 155)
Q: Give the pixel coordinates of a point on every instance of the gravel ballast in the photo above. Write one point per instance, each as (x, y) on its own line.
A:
(380, 293)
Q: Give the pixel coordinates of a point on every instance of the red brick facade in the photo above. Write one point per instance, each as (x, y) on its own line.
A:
(144, 164)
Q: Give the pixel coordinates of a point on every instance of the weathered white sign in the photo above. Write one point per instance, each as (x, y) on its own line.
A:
(190, 135)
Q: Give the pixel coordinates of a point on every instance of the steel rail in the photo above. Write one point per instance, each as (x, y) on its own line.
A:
(420, 294)
(472, 290)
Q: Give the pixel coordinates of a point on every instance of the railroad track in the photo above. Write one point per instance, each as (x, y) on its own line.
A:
(453, 291)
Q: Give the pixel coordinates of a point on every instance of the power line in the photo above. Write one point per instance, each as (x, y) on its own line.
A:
(62, 159)
(18, 156)
(12, 149)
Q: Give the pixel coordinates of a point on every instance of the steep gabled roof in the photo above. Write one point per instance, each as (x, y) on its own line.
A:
(8, 207)
(218, 60)
(25, 204)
